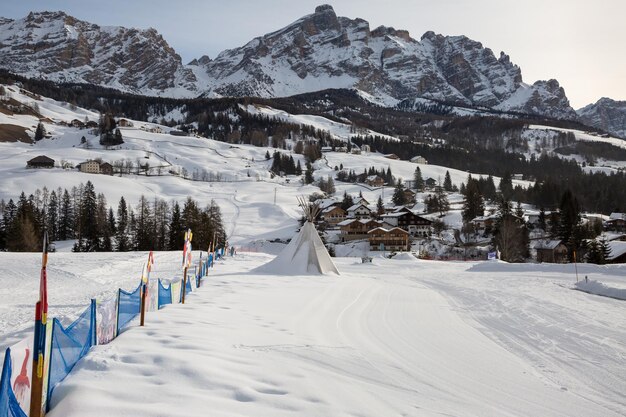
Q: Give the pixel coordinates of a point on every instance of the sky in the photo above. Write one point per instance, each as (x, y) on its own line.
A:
(581, 43)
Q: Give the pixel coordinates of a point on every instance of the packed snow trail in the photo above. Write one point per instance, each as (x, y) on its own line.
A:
(363, 344)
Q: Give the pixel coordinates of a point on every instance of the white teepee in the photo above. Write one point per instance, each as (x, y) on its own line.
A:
(305, 254)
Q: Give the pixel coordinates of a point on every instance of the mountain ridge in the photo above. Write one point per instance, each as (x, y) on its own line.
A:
(318, 51)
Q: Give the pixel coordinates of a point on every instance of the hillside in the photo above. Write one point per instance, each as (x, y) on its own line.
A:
(207, 168)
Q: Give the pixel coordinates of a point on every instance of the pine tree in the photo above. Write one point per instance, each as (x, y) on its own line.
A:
(442, 200)
(144, 226)
(22, 233)
(347, 201)
(89, 222)
(594, 254)
(121, 232)
(399, 198)
(66, 217)
(489, 191)
(389, 177)
(308, 175)
(418, 181)
(569, 222)
(605, 250)
(53, 217)
(176, 232)
(331, 185)
(380, 207)
(40, 132)
(447, 182)
(473, 204)
(519, 212)
(511, 235)
(506, 185)
(542, 219)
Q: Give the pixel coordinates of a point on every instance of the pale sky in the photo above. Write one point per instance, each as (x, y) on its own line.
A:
(580, 43)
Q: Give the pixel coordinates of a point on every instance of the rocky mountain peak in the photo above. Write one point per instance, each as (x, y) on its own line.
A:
(315, 52)
(62, 48)
(322, 20)
(606, 114)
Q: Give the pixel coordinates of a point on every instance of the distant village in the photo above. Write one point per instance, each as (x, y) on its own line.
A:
(394, 228)
(401, 227)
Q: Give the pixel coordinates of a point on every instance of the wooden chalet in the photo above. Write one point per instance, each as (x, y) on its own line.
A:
(416, 226)
(551, 251)
(354, 229)
(359, 211)
(106, 168)
(616, 222)
(618, 252)
(394, 239)
(41, 161)
(333, 215)
(374, 181)
(95, 167)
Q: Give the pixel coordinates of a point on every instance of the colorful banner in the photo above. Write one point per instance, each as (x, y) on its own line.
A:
(21, 378)
(106, 317)
(176, 287)
(152, 303)
(46, 366)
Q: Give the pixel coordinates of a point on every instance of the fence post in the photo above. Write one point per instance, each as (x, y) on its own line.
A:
(142, 308)
(94, 323)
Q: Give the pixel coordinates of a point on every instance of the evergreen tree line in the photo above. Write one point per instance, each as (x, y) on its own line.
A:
(284, 163)
(83, 215)
(352, 177)
(552, 175)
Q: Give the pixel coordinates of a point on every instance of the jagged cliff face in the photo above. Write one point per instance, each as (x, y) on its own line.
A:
(318, 51)
(606, 114)
(323, 50)
(59, 47)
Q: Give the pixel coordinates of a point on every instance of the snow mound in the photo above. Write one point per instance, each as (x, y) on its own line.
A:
(598, 288)
(404, 256)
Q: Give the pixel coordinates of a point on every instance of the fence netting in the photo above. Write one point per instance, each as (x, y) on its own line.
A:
(128, 306)
(69, 345)
(9, 406)
(165, 294)
(100, 323)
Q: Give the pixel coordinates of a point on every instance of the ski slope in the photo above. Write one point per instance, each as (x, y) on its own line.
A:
(431, 339)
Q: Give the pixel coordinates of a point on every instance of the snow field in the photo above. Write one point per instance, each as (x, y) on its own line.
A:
(433, 338)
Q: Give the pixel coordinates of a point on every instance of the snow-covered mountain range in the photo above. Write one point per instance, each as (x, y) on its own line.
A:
(316, 52)
(606, 114)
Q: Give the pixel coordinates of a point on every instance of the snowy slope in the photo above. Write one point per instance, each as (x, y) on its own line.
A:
(245, 191)
(436, 338)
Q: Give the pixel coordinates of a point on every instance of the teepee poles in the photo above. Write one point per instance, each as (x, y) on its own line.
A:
(310, 210)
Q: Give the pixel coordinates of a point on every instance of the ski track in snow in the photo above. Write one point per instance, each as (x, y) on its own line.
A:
(427, 339)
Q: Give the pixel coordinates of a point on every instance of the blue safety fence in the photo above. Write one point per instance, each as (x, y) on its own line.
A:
(9, 406)
(188, 288)
(165, 294)
(70, 344)
(128, 306)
